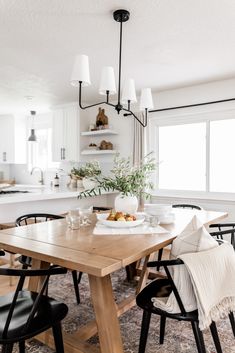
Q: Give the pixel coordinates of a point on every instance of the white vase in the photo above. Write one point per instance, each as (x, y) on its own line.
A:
(88, 183)
(126, 204)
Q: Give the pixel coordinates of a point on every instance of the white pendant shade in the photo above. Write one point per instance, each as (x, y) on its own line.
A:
(128, 93)
(146, 100)
(107, 81)
(81, 71)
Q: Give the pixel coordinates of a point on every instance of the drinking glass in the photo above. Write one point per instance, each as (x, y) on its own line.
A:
(85, 212)
(154, 221)
(73, 219)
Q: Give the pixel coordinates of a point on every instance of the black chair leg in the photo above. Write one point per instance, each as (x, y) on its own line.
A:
(162, 329)
(79, 276)
(144, 331)
(160, 251)
(215, 336)
(198, 337)
(22, 347)
(58, 338)
(232, 321)
(75, 284)
(7, 348)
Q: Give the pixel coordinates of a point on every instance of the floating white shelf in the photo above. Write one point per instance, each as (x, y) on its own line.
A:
(98, 152)
(99, 132)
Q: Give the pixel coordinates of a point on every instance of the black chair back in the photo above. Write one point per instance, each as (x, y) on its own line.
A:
(185, 205)
(23, 274)
(35, 218)
(224, 229)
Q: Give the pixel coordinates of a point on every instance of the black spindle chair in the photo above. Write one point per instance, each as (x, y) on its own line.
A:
(163, 288)
(26, 261)
(25, 314)
(225, 229)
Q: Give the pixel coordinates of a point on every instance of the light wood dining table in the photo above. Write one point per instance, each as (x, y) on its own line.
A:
(98, 256)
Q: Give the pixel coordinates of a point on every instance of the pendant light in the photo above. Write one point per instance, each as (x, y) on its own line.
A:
(81, 78)
(32, 137)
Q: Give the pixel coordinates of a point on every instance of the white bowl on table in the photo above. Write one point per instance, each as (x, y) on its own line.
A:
(102, 217)
(157, 209)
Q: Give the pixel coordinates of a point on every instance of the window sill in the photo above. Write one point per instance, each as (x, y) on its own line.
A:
(191, 195)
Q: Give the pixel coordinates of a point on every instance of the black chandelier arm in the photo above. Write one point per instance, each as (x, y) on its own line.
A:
(144, 124)
(80, 99)
(120, 65)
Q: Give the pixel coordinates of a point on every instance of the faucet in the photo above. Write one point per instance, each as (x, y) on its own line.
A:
(41, 180)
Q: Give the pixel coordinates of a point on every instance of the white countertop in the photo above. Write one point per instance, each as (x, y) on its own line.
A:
(38, 192)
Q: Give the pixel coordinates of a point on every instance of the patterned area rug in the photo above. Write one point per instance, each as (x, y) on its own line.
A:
(179, 336)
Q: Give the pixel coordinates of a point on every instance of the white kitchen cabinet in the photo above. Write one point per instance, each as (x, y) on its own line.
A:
(12, 139)
(65, 134)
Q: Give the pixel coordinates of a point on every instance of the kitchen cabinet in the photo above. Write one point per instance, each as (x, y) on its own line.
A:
(65, 134)
(12, 139)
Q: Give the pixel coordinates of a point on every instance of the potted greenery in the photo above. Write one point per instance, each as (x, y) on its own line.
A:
(131, 181)
(83, 174)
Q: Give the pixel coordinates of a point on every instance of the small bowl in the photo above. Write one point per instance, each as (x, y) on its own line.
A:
(156, 209)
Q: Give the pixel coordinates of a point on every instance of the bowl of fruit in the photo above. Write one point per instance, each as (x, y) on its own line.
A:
(120, 219)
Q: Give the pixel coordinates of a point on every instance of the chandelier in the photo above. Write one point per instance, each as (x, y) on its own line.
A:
(81, 77)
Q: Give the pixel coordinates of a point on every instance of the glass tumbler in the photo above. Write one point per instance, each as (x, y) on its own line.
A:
(73, 219)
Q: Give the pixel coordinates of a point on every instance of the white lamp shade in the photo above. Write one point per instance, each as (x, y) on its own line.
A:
(128, 93)
(81, 71)
(107, 81)
(146, 100)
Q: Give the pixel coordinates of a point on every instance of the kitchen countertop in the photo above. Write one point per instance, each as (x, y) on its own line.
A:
(38, 192)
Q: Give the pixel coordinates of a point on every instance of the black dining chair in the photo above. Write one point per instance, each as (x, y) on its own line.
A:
(163, 288)
(227, 229)
(185, 205)
(25, 314)
(26, 261)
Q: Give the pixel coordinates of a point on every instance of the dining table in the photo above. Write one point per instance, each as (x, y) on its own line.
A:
(99, 256)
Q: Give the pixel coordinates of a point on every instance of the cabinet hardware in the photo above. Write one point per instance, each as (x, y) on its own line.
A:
(4, 156)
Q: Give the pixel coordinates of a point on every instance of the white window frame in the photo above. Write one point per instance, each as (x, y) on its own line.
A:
(223, 111)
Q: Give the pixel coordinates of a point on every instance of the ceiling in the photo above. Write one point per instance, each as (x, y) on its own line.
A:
(166, 44)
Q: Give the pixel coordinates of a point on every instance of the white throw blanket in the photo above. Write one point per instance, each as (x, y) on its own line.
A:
(212, 273)
(194, 238)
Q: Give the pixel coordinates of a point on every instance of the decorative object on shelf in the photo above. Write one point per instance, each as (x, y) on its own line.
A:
(81, 77)
(130, 181)
(32, 137)
(105, 145)
(102, 120)
(92, 146)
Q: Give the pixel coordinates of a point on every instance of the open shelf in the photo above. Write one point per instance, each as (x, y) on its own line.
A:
(99, 132)
(99, 152)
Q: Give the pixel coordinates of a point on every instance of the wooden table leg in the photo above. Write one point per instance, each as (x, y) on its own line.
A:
(35, 282)
(106, 314)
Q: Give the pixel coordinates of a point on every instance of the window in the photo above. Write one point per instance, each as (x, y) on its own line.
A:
(222, 151)
(182, 157)
(195, 153)
(40, 152)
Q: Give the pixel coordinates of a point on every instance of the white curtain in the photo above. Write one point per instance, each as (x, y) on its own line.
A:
(139, 140)
(139, 144)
